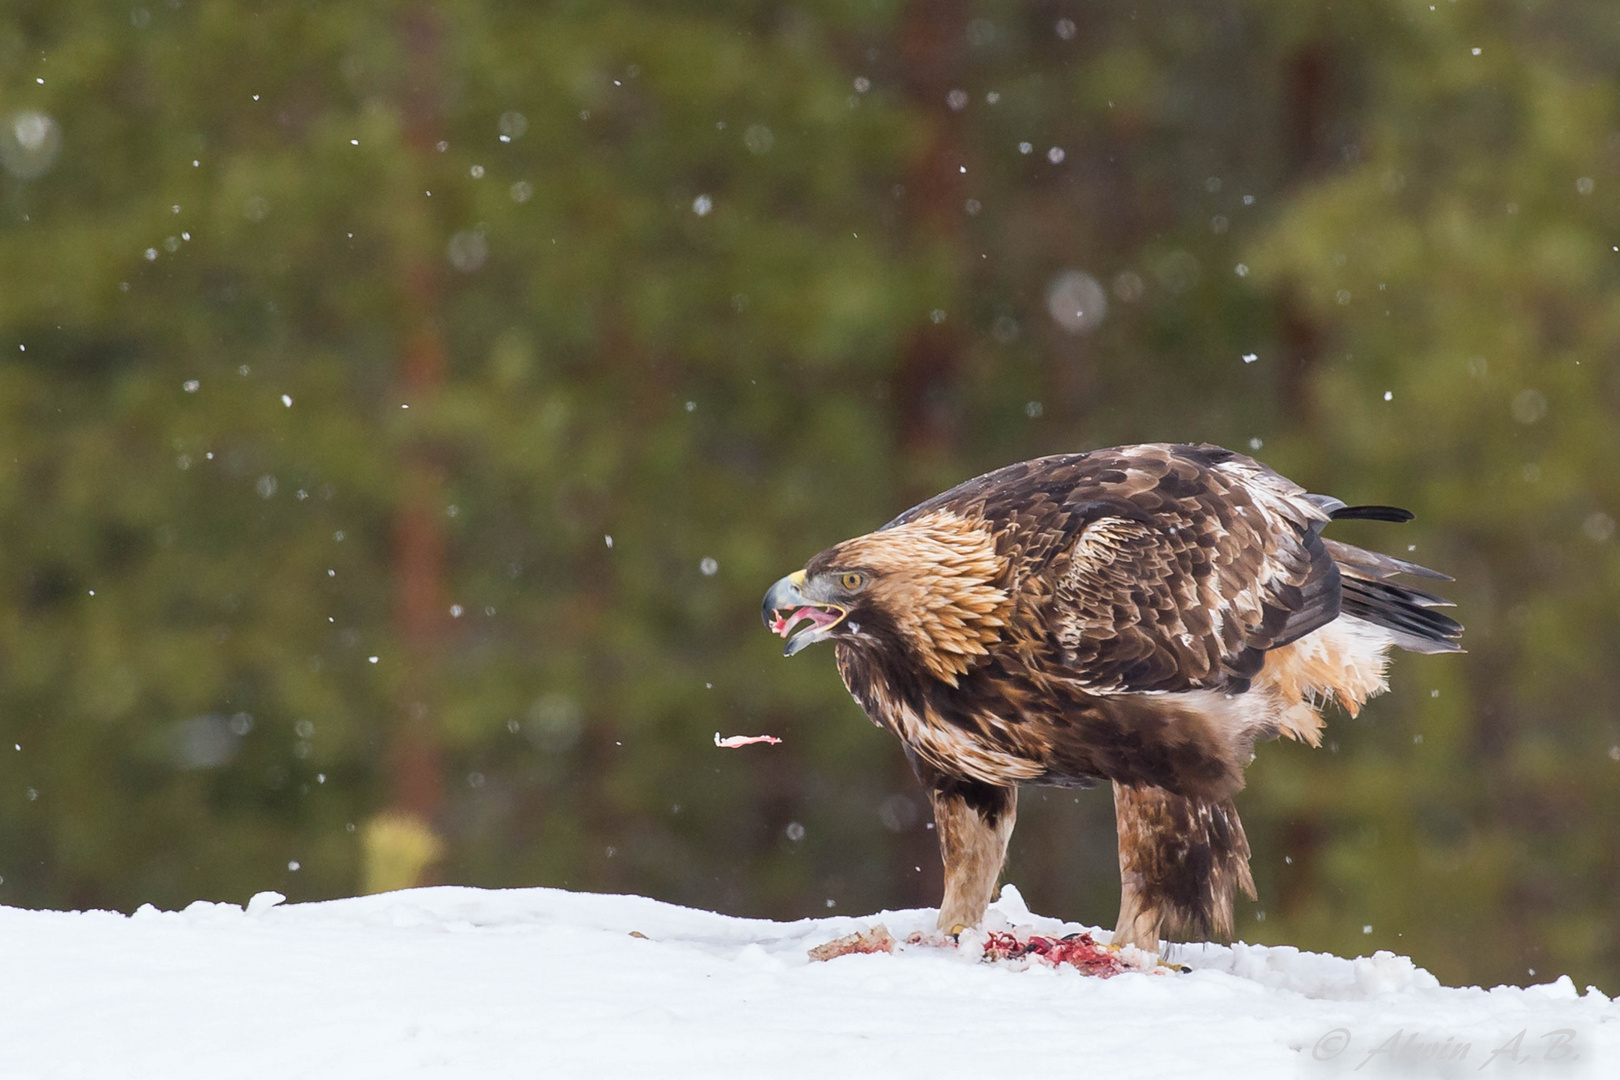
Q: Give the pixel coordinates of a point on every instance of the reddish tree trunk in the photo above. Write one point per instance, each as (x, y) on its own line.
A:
(420, 595)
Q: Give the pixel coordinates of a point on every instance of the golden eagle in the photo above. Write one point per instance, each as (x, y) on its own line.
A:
(1142, 614)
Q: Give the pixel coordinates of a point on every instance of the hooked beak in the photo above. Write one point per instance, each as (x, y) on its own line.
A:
(786, 607)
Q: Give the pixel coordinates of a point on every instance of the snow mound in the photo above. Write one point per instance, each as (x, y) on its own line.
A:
(454, 981)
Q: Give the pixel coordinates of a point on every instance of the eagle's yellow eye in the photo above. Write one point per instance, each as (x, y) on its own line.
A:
(852, 581)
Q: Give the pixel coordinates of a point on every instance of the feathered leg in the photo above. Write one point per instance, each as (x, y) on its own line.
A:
(1181, 860)
(974, 822)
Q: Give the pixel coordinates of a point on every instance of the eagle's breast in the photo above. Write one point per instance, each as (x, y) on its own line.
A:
(945, 725)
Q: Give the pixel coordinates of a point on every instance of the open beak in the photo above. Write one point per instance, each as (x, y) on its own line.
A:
(786, 607)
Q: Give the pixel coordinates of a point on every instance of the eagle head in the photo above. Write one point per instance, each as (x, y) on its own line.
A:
(932, 586)
(818, 605)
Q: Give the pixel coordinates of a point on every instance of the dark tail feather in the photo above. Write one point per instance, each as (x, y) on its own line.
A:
(1405, 614)
(1181, 862)
(1371, 513)
(1367, 592)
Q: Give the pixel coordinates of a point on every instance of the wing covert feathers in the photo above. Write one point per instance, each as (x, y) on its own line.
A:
(1153, 568)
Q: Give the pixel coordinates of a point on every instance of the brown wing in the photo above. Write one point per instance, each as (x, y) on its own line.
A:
(1156, 567)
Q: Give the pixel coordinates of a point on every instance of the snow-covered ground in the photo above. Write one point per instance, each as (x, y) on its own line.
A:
(541, 983)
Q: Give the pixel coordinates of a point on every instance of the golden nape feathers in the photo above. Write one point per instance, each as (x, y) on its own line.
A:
(937, 575)
(1143, 615)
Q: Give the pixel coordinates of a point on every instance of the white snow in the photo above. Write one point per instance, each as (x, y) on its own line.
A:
(461, 982)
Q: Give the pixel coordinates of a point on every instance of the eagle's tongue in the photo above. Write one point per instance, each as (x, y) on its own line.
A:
(784, 625)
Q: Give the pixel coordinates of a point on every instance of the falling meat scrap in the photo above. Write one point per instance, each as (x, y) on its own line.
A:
(731, 742)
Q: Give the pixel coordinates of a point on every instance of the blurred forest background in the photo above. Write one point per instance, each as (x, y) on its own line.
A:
(404, 406)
